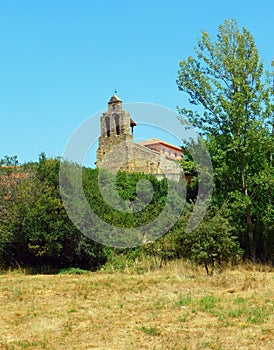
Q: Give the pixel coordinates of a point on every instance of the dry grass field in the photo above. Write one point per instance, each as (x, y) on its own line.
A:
(176, 307)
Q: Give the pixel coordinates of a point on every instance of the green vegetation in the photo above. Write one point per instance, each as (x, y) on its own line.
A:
(212, 243)
(234, 99)
(37, 233)
(150, 330)
(35, 230)
(234, 113)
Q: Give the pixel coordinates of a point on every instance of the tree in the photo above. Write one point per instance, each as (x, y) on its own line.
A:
(227, 83)
(212, 243)
(35, 230)
(9, 161)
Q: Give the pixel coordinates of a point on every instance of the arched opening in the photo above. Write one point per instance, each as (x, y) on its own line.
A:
(117, 124)
(107, 126)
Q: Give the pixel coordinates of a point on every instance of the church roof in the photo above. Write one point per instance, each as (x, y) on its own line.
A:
(155, 141)
(114, 99)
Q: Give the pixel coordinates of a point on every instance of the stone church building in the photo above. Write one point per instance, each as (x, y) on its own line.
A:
(118, 151)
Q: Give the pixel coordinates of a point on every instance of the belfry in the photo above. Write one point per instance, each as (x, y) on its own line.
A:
(118, 151)
(116, 126)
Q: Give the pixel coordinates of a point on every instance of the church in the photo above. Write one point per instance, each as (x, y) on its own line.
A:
(118, 151)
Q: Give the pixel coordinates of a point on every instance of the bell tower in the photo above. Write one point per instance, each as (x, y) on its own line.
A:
(115, 127)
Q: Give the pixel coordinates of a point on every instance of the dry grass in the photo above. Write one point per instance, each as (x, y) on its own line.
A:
(177, 307)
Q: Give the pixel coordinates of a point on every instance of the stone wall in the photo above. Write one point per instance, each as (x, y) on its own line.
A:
(132, 157)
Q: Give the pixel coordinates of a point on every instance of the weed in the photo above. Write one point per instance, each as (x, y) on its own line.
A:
(26, 345)
(208, 302)
(72, 311)
(150, 330)
(235, 313)
(239, 300)
(182, 319)
(183, 301)
(73, 271)
(213, 344)
(257, 315)
(160, 304)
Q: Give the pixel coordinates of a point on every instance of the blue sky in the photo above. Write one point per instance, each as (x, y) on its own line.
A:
(62, 60)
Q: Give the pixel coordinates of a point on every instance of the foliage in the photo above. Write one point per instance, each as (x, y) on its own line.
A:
(9, 161)
(234, 99)
(73, 271)
(35, 229)
(36, 232)
(211, 243)
(150, 330)
(125, 185)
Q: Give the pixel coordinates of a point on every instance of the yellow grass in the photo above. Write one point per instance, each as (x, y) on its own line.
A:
(176, 307)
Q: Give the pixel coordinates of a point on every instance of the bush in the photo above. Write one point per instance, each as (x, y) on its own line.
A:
(212, 243)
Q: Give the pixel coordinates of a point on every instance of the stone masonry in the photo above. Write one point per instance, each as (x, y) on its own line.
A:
(117, 151)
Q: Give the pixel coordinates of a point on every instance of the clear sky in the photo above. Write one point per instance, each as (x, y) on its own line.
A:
(62, 60)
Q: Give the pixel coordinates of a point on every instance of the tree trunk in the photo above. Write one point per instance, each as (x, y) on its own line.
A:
(250, 231)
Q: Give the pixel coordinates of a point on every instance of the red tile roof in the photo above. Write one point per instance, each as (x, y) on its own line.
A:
(155, 141)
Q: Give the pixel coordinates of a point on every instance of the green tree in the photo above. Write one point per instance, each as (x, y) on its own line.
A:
(9, 161)
(212, 243)
(227, 84)
(35, 230)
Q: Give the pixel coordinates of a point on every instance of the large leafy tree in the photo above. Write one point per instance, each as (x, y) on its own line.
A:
(232, 107)
(34, 227)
